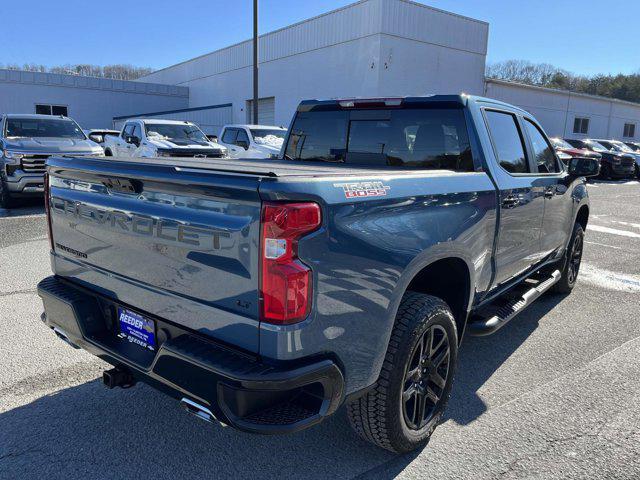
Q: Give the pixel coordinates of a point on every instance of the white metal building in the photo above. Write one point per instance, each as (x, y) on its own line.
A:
(378, 48)
(571, 115)
(369, 48)
(92, 102)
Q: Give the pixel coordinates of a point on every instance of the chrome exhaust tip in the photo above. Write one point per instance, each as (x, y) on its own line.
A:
(200, 411)
(63, 336)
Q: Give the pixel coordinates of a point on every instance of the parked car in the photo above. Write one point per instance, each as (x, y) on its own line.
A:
(613, 164)
(26, 141)
(563, 147)
(346, 274)
(622, 148)
(252, 141)
(161, 138)
(97, 135)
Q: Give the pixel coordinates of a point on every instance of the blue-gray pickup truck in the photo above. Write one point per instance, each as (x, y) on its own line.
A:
(266, 294)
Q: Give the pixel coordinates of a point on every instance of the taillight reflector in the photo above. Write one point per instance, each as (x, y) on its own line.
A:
(286, 282)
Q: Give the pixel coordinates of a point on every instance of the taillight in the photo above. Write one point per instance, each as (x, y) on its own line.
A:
(287, 283)
(47, 210)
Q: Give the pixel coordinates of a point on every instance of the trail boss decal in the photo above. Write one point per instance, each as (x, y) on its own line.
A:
(363, 189)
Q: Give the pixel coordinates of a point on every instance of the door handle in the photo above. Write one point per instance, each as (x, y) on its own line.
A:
(549, 192)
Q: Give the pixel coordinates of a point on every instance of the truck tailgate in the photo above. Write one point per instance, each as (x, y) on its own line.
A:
(180, 244)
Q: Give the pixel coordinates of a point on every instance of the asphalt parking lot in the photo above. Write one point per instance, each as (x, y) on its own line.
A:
(552, 395)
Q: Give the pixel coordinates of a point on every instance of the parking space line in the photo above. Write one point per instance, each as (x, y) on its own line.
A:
(613, 231)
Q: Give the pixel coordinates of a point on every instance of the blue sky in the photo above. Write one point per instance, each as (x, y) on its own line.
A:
(584, 37)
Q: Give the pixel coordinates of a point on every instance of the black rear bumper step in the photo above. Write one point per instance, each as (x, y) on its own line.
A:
(238, 388)
(493, 317)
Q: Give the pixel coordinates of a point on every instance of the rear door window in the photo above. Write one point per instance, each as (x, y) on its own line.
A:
(507, 141)
(544, 154)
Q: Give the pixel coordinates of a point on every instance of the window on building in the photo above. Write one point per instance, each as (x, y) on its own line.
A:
(544, 155)
(581, 125)
(629, 130)
(507, 141)
(45, 109)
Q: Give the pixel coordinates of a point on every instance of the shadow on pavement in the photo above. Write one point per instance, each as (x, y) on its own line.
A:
(90, 432)
(24, 206)
(480, 357)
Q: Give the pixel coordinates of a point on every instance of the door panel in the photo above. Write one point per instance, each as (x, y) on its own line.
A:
(521, 199)
(558, 204)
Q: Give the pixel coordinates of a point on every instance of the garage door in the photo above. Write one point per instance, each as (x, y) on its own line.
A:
(266, 111)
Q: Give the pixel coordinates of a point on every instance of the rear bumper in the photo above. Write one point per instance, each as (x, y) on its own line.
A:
(240, 389)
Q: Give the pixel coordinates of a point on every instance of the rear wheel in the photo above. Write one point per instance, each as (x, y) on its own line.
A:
(572, 262)
(107, 153)
(411, 394)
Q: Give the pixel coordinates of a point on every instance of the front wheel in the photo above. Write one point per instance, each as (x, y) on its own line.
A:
(107, 153)
(5, 198)
(407, 402)
(572, 261)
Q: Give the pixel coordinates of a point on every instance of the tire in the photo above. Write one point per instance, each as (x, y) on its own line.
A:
(605, 171)
(5, 198)
(387, 415)
(107, 153)
(572, 262)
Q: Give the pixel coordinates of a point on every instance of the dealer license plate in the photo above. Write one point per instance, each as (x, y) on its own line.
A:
(137, 329)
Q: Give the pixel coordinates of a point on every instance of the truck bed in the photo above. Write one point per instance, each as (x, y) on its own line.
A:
(263, 168)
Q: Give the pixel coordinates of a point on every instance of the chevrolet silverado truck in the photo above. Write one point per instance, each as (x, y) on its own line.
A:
(26, 141)
(266, 294)
(150, 138)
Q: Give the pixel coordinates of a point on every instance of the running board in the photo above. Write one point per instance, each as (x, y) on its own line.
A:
(480, 326)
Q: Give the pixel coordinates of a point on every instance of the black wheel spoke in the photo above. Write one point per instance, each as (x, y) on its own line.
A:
(426, 377)
(441, 357)
(438, 380)
(421, 407)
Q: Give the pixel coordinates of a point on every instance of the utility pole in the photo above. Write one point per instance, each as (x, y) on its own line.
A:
(255, 62)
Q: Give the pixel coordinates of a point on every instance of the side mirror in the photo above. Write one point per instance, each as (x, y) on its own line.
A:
(243, 143)
(584, 167)
(132, 139)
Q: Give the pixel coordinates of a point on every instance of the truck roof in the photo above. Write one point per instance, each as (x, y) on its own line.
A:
(461, 99)
(34, 115)
(160, 120)
(253, 126)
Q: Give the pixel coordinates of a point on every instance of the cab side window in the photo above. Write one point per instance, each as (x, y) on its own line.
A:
(128, 130)
(242, 137)
(136, 132)
(507, 141)
(229, 136)
(542, 150)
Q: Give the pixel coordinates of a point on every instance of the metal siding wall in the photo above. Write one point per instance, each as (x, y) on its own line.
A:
(92, 102)
(209, 120)
(426, 24)
(349, 23)
(556, 110)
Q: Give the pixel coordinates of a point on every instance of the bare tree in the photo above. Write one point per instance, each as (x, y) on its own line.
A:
(118, 72)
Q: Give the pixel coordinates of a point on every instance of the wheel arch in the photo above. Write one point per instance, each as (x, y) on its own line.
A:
(450, 279)
(582, 217)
